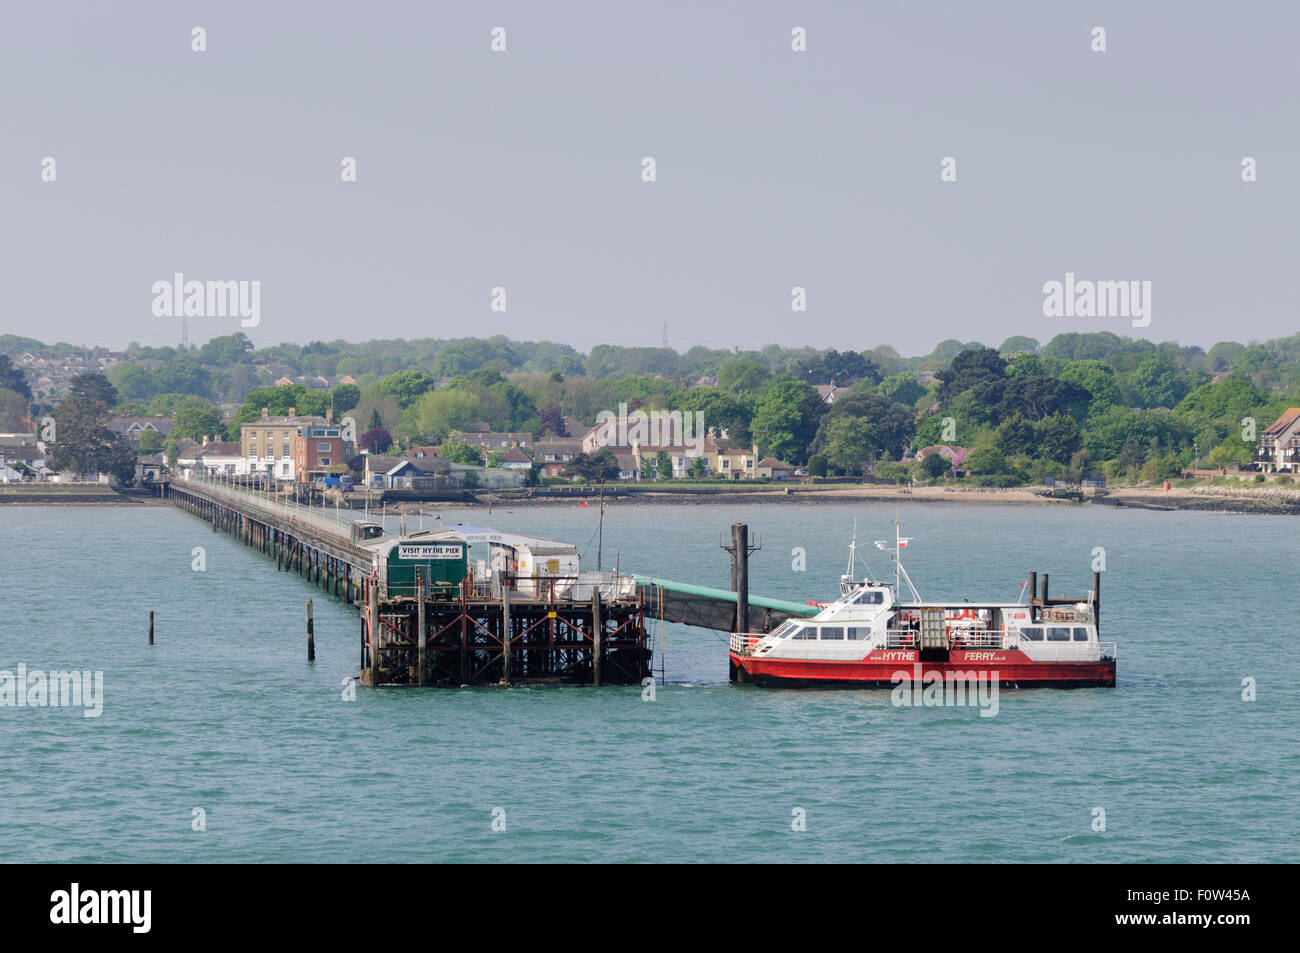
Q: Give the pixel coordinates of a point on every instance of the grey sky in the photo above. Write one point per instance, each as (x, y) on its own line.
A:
(522, 169)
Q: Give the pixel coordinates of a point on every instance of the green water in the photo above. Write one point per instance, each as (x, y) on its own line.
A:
(224, 713)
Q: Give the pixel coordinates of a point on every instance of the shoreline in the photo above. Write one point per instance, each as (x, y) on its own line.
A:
(1212, 499)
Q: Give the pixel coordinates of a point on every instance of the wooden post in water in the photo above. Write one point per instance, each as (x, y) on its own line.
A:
(151, 627)
(505, 632)
(311, 635)
(1044, 589)
(419, 628)
(596, 626)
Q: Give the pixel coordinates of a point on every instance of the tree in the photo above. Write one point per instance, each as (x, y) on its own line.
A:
(85, 445)
(786, 419)
(1058, 437)
(13, 410)
(408, 386)
(458, 451)
(1019, 344)
(197, 420)
(985, 460)
(224, 351)
(182, 376)
(1221, 356)
(977, 366)
(378, 440)
(381, 410)
(1097, 379)
(439, 412)
(902, 389)
(1034, 397)
(1156, 383)
(664, 464)
(935, 465)
(346, 397)
(94, 386)
(551, 421)
(743, 376)
(723, 412)
(845, 369)
(592, 467)
(860, 427)
(11, 378)
(151, 441)
(1015, 436)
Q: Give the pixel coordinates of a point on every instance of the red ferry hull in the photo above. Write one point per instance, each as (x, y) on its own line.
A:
(884, 669)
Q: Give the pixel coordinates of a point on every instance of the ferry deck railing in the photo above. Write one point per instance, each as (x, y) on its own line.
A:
(975, 639)
(742, 643)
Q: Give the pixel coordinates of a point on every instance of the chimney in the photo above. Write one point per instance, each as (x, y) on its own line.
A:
(329, 415)
(266, 412)
(293, 411)
(205, 439)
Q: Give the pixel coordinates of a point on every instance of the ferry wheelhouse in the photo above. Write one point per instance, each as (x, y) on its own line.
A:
(869, 638)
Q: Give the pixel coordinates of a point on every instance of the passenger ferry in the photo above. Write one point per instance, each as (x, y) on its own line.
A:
(868, 638)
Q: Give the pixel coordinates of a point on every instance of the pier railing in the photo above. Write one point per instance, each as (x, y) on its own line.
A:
(320, 520)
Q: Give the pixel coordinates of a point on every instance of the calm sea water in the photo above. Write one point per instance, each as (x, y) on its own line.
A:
(225, 714)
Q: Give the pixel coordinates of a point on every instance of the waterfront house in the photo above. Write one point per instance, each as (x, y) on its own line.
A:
(555, 455)
(737, 463)
(954, 455)
(487, 441)
(212, 458)
(268, 442)
(1279, 445)
(317, 451)
(516, 459)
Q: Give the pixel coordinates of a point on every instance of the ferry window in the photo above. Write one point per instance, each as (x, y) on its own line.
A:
(804, 632)
(833, 632)
(1080, 635)
(1033, 633)
(1055, 634)
(856, 633)
(784, 630)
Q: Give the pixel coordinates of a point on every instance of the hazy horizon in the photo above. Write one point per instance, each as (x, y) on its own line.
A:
(523, 169)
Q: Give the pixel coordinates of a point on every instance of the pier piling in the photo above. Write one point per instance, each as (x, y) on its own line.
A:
(595, 636)
(505, 636)
(311, 635)
(421, 631)
(151, 627)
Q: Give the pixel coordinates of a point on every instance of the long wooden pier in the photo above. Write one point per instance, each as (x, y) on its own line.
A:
(298, 539)
(515, 629)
